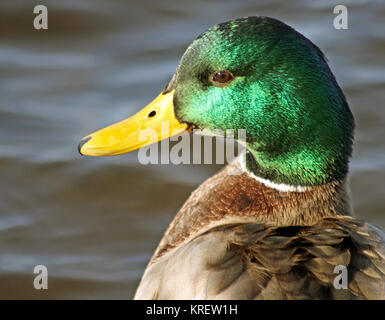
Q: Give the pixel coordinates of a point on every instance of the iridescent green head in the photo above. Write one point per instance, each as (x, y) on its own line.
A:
(276, 84)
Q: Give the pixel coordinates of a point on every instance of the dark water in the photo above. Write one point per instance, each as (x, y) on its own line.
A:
(94, 222)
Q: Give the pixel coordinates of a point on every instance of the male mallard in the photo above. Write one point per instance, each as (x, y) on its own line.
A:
(279, 229)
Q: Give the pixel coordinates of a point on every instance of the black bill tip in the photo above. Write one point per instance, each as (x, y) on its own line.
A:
(82, 142)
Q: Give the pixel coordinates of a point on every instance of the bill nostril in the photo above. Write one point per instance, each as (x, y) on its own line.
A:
(152, 114)
(82, 142)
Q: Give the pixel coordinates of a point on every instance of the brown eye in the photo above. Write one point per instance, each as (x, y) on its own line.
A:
(222, 76)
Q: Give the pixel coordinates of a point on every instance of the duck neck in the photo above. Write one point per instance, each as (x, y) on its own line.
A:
(295, 170)
(236, 196)
(250, 165)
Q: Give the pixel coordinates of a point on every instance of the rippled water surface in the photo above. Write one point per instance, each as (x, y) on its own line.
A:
(94, 222)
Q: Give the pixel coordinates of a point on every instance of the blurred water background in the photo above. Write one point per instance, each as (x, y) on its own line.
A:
(94, 222)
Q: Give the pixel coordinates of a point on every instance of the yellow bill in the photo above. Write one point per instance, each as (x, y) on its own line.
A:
(155, 122)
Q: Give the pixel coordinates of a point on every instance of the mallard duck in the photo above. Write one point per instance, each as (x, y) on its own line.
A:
(280, 228)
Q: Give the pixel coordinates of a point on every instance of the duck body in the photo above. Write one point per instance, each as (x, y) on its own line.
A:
(236, 238)
(276, 223)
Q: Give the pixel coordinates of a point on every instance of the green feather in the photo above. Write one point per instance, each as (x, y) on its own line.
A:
(298, 123)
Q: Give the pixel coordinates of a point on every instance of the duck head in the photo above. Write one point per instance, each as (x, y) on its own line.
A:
(260, 75)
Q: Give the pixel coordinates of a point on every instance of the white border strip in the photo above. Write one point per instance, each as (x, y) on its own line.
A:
(278, 186)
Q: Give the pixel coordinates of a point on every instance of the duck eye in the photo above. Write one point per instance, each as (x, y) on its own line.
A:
(222, 76)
